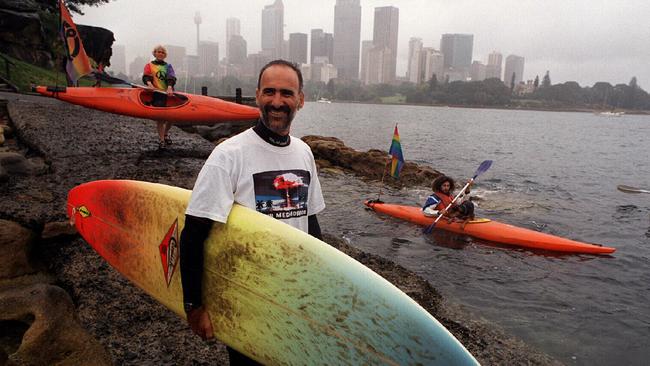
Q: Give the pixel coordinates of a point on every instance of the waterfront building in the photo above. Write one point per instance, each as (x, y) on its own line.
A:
(298, 48)
(347, 34)
(273, 29)
(493, 67)
(514, 66)
(233, 28)
(413, 69)
(208, 56)
(457, 50)
(385, 32)
(322, 45)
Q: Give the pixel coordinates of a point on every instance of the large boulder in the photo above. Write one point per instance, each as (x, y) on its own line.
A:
(221, 130)
(15, 246)
(15, 163)
(373, 164)
(44, 330)
(21, 32)
(98, 43)
(23, 35)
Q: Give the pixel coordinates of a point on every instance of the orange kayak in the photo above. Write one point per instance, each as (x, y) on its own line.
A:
(182, 108)
(493, 231)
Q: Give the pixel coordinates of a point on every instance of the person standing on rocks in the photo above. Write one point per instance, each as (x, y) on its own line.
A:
(261, 162)
(161, 76)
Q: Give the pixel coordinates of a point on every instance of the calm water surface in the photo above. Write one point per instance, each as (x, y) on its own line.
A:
(554, 172)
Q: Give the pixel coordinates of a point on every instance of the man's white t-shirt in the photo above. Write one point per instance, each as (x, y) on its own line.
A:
(281, 182)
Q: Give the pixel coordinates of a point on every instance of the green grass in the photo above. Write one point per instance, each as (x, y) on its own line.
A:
(394, 99)
(23, 75)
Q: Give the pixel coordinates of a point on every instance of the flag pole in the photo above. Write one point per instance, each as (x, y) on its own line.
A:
(381, 186)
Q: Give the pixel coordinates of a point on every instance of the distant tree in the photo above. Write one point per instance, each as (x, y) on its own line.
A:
(486, 92)
(630, 94)
(536, 82)
(313, 89)
(72, 5)
(382, 90)
(433, 83)
(331, 88)
(546, 82)
(600, 94)
(512, 82)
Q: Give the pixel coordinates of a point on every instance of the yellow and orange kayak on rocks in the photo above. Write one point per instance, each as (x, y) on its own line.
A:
(492, 231)
(182, 108)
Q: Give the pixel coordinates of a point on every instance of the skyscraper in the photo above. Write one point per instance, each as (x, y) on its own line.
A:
(364, 76)
(136, 67)
(386, 25)
(514, 65)
(208, 58)
(118, 59)
(379, 65)
(477, 71)
(233, 28)
(176, 57)
(298, 48)
(238, 50)
(347, 34)
(191, 65)
(431, 63)
(322, 46)
(273, 29)
(197, 21)
(493, 67)
(413, 70)
(457, 50)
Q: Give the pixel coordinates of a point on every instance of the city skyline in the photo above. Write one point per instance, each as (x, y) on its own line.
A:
(576, 42)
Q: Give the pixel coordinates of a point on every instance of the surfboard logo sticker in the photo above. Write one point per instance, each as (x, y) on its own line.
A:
(169, 252)
(84, 211)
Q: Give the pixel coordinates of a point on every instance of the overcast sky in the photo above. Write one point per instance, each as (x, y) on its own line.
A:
(581, 40)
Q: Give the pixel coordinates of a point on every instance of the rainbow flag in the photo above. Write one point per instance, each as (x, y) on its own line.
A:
(78, 64)
(396, 154)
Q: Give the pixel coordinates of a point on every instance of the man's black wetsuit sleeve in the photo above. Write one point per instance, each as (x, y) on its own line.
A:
(313, 228)
(193, 237)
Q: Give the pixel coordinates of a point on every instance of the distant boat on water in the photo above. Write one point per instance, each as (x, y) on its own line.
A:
(610, 114)
(324, 100)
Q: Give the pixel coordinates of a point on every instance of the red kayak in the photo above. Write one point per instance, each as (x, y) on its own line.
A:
(182, 108)
(493, 231)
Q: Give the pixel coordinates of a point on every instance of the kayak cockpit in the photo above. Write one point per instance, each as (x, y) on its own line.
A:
(175, 100)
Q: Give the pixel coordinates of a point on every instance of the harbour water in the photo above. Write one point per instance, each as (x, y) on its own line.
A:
(554, 172)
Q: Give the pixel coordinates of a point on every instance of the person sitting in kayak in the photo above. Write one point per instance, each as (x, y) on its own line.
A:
(443, 194)
(161, 76)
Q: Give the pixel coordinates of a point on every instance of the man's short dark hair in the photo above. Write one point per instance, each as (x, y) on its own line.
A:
(280, 62)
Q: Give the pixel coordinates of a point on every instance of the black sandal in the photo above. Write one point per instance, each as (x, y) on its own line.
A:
(168, 140)
(161, 145)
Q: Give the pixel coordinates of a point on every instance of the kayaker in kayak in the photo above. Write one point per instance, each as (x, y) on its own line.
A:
(160, 75)
(443, 194)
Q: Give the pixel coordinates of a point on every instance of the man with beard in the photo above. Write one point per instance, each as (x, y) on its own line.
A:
(246, 169)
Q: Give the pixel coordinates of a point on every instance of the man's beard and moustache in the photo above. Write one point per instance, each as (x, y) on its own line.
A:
(275, 124)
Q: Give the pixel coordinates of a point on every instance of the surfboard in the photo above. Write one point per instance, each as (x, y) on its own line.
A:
(274, 293)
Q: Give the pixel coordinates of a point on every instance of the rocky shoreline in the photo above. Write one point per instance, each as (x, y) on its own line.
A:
(60, 303)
